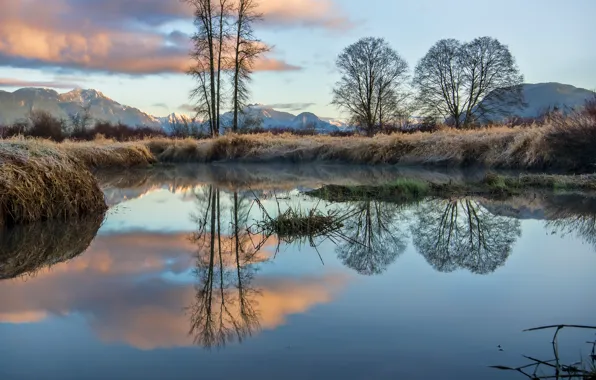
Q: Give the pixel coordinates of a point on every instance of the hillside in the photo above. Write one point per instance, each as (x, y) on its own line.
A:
(539, 97)
(256, 115)
(16, 105)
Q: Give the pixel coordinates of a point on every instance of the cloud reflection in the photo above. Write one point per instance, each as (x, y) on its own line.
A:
(122, 289)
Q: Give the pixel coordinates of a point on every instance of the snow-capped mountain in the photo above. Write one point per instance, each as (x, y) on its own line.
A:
(257, 115)
(540, 97)
(16, 105)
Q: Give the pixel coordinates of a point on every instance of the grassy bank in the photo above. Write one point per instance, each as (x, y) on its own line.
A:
(406, 190)
(40, 181)
(559, 144)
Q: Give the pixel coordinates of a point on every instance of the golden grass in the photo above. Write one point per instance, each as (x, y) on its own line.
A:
(103, 153)
(538, 147)
(499, 146)
(24, 250)
(561, 143)
(39, 182)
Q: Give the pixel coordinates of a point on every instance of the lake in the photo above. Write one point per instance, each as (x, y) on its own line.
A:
(219, 271)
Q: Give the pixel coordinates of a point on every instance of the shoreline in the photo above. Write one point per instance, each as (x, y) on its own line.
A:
(42, 180)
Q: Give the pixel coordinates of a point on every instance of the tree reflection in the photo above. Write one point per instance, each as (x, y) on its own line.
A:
(573, 214)
(372, 239)
(460, 233)
(225, 303)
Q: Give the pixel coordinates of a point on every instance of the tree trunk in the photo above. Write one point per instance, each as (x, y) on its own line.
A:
(236, 104)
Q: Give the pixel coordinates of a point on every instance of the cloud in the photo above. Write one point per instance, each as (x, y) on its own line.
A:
(160, 105)
(290, 106)
(324, 14)
(92, 35)
(115, 36)
(8, 82)
(186, 108)
(120, 287)
(310, 13)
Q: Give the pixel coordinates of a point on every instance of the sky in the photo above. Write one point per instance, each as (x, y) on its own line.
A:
(136, 51)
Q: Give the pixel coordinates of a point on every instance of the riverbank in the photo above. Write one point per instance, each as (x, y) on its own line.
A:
(40, 179)
(565, 145)
(490, 186)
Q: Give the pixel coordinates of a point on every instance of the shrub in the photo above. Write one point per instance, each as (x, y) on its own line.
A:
(17, 129)
(43, 124)
(119, 132)
(572, 138)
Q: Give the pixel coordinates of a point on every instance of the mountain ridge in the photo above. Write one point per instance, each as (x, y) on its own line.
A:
(16, 105)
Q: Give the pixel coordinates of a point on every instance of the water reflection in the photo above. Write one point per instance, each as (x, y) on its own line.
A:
(225, 301)
(375, 239)
(25, 250)
(460, 233)
(207, 287)
(574, 214)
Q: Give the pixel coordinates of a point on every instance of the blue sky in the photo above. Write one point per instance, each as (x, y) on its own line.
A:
(124, 48)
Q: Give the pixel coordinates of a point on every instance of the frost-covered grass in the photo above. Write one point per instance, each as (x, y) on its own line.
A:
(567, 143)
(39, 181)
(563, 143)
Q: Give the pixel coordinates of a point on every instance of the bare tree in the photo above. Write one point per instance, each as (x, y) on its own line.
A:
(212, 24)
(370, 88)
(246, 49)
(468, 82)
(224, 42)
(81, 120)
(200, 93)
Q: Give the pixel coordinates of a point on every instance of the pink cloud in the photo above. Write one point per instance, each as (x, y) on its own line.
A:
(117, 285)
(313, 13)
(102, 36)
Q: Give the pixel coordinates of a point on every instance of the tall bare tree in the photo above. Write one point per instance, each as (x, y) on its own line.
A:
(468, 82)
(224, 42)
(371, 84)
(246, 49)
(209, 40)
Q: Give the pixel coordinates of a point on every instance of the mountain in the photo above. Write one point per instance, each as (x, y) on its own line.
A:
(307, 120)
(540, 97)
(16, 105)
(257, 115)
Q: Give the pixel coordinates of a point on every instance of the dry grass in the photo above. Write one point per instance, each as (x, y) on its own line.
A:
(565, 143)
(295, 224)
(24, 250)
(104, 153)
(39, 182)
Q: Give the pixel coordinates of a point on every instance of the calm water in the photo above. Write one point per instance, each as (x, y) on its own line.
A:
(186, 279)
